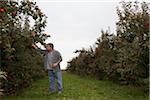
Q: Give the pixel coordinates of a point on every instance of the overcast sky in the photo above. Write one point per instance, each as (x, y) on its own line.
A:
(74, 24)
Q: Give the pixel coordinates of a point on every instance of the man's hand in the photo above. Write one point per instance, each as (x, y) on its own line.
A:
(34, 46)
(54, 65)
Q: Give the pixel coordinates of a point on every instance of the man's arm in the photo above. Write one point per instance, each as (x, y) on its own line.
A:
(38, 49)
(59, 60)
(55, 64)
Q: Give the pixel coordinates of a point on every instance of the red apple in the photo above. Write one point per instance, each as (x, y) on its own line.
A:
(14, 13)
(146, 25)
(2, 10)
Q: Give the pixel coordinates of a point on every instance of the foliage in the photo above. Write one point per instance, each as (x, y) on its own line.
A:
(2, 76)
(122, 57)
(21, 63)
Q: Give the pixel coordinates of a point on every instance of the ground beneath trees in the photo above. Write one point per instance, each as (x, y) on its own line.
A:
(80, 88)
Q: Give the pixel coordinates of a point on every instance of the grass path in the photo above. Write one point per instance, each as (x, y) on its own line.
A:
(80, 88)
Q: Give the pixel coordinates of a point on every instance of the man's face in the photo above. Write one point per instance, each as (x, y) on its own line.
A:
(49, 48)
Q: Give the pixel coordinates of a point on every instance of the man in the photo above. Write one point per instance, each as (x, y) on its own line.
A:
(52, 59)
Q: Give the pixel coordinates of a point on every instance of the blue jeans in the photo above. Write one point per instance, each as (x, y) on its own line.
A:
(52, 76)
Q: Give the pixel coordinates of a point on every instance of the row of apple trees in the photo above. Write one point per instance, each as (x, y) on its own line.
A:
(21, 24)
(122, 57)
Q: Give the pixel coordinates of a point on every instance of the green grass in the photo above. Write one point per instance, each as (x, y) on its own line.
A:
(80, 88)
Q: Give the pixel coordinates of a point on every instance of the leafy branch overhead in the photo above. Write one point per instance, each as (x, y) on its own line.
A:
(15, 22)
